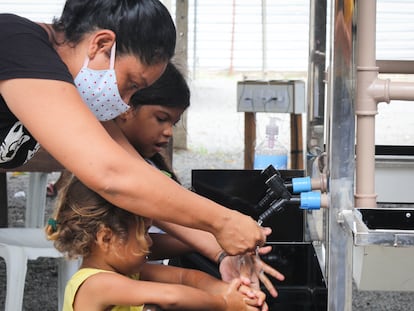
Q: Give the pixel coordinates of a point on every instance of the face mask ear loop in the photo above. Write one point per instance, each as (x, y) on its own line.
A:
(112, 59)
(86, 62)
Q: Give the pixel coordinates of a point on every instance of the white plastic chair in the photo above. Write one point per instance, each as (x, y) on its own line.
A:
(17, 246)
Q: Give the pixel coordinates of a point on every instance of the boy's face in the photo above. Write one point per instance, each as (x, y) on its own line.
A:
(150, 127)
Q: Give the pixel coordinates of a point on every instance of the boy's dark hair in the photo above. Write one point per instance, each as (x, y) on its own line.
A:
(170, 90)
(142, 27)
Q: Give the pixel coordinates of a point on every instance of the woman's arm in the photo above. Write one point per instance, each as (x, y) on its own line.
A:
(56, 116)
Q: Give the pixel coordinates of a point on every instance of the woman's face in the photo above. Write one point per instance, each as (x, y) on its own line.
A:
(132, 75)
(149, 127)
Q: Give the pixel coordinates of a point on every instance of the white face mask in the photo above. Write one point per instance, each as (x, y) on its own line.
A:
(99, 90)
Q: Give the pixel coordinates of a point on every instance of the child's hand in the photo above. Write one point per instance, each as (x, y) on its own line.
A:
(253, 297)
(236, 300)
(253, 268)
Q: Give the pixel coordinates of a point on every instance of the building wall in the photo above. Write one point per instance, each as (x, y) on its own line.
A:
(40, 11)
(229, 36)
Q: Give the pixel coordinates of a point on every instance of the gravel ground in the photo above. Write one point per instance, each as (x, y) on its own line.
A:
(215, 142)
(41, 280)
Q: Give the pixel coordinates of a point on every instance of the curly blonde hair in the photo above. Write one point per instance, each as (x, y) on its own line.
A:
(80, 213)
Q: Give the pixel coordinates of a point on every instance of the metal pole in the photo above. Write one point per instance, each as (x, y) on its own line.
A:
(341, 154)
(316, 81)
(195, 40)
(264, 38)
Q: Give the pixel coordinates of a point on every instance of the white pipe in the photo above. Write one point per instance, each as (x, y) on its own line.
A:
(366, 105)
(386, 90)
(396, 66)
(370, 91)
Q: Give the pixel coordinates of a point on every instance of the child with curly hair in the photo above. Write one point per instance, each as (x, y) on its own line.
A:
(114, 245)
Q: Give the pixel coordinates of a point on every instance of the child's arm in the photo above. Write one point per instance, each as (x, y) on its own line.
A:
(205, 282)
(166, 246)
(211, 249)
(106, 289)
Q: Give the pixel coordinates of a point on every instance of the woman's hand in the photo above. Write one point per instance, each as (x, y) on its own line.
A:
(240, 234)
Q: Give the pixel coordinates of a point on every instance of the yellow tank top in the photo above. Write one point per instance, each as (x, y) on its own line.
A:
(76, 281)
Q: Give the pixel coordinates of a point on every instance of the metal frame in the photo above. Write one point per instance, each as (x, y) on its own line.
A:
(353, 92)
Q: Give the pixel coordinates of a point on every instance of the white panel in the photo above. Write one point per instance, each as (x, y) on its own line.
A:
(393, 179)
(395, 29)
(36, 10)
(271, 96)
(287, 34)
(383, 268)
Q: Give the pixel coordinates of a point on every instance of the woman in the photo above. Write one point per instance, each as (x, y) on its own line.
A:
(41, 105)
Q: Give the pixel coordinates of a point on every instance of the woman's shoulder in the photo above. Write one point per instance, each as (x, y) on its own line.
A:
(14, 23)
(19, 35)
(9, 17)
(14, 28)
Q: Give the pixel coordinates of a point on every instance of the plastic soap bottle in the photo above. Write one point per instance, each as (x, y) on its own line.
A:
(271, 151)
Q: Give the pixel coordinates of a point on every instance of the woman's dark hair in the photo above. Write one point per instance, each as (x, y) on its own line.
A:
(142, 27)
(170, 90)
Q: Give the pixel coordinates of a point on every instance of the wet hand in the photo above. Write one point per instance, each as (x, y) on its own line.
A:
(237, 301)
(254, 297)
(260, 271)
(252, 268)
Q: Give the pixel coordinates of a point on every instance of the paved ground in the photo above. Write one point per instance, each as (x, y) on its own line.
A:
(40, 291)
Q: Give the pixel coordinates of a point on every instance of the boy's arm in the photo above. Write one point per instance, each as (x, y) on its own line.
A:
(201, 241)
(166, 246)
